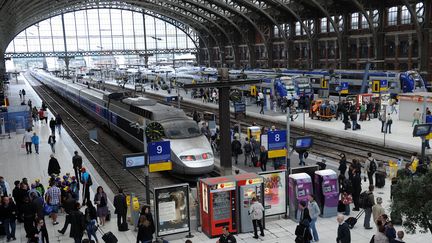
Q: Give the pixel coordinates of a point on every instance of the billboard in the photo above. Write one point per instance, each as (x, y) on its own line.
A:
(274, 192)
(172, 209)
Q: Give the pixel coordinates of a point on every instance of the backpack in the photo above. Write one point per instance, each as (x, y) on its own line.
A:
(364, 201)
(248, 148)
(372, 166)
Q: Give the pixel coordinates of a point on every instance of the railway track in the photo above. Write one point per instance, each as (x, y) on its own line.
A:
(106, 153)
(325, 145)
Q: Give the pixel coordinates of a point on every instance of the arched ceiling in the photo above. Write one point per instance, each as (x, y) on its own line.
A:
(217, 22)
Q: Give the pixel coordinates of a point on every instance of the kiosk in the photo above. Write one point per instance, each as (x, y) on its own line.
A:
(300, 186)
(327, 192)
(217, 205)
(249, 185)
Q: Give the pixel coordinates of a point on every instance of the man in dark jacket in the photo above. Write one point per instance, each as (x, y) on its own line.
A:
(77, 165)
(8, 214)
(68, 206)
(29, 215)
(59, 122)
(356, 183)
(120, 207)
(77, 221)
(226, 236)
(52, 125)
(53, 166)
(353, 117)
(343, 234)
(236, 149)
(37, 203)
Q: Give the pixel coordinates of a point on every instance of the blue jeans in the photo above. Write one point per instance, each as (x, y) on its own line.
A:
(91, 229)
(9, 226)
(313, 228)
(354, 125)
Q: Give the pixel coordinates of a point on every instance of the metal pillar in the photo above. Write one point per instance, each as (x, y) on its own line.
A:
(2, 65)
(288, 123)
(224, 125)
(146, 168)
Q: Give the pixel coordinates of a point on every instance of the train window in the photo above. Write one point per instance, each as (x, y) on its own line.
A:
(181, 129)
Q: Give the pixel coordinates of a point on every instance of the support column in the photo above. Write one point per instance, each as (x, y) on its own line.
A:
(396, 40)
(66, 58)
(424, 55)
(270, 57)
(379, 40)
(344, 44)
(2, 65)
(224, 124)
(410, 46)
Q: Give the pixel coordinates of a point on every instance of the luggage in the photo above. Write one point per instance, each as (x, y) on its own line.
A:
(351, 221)
(341, 207)
(380, 179)
(108, 237)
(108, 217)
(358, 127)
(124, 227)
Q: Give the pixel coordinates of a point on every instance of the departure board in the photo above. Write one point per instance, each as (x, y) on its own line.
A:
(221, 205)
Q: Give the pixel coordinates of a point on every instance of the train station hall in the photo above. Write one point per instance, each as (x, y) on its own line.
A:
(215, 121)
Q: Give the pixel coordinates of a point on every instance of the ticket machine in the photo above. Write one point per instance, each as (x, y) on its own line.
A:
(217, 205)
(249, 185)
(300, 186)
(254, 132)
(327, 192)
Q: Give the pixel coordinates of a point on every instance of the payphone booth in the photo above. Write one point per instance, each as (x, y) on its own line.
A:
(217, 205)
(249, 185)
(327, 192)
(300, 186)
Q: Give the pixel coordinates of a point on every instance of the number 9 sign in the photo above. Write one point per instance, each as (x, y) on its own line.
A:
(159, 151)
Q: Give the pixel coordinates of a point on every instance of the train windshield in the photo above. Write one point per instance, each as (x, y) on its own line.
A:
(181, 129)
(418, 80)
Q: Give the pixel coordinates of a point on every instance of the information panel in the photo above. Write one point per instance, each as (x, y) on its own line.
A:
(131, 161)
(172, 209)
(274, 192)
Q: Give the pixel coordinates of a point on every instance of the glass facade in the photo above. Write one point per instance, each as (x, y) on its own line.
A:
(98, 30)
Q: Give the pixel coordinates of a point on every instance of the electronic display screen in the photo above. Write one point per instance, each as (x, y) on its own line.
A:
(421, 130)
(327, 189)
(301, 193)
(303, 143)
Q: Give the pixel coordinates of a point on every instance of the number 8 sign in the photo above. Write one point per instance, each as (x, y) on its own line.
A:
(159, 152)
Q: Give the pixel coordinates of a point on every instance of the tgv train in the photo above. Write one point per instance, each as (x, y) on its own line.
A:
(191, 152)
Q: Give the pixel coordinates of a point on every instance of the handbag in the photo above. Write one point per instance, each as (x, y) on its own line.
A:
(47, 209)
(346, 198)
(22, 145)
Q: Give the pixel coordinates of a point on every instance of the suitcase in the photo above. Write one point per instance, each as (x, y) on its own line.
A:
(351, 221)
(380, 179)
(358, 127)
(347, 125)
(108, 237)
(124, 227)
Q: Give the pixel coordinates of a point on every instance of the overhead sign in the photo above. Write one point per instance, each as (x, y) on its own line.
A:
(276, 144)
(159, 156)
(131, 161)
(344, 88)
(383, 85)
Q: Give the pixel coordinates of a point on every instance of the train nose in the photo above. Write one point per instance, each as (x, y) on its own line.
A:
(195, 158)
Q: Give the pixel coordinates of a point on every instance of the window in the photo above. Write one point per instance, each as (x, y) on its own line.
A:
(298, 28)
(375, 18)
(364, 22)
(392, 16)
(324, 25)
(354, 21)
(406, 16)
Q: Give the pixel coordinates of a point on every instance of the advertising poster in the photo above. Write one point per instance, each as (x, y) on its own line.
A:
(274, 192)
(172, 209)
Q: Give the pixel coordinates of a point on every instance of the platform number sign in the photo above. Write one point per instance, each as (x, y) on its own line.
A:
(276, 144)
(159, 156)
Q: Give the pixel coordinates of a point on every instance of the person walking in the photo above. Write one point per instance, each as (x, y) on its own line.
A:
(87, 183)
(262, 106)
(53, 199)
(8, 216)
(343, 233)
(45, 115)
(314, 212)
(23, 92)
(29, 215)
(383, 119)
(416, 117)
(353, 117)
(370, 167)
(69, 206)
(263, 158)
(101, 200)
(77, 165)
(379, 236)
(342, 164)
(236, 148)
(356, 184)
(256, 212)
(58, 123)
(145, 230)
(368, 207)
(52, 142)
(90, 216)
(77, 224)
(53, 166)
(377, 210)
(52, 125)
(35, 114)
(35, 142)
(247, 147)
(120, 206)
(20, 94)
(39, 232)
(389, 122)
(303, 233)
(27, 139)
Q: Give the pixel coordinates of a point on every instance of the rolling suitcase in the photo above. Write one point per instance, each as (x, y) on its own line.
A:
(380, 179)
(351, 221)
(108, 237)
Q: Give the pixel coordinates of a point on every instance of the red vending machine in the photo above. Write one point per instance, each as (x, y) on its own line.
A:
(217, 205)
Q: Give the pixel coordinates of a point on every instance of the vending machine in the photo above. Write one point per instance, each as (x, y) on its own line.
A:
(217, 205)
(300, 186)
(249, 185)
(327, 192)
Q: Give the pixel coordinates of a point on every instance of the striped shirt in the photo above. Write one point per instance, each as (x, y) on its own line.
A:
(54, 194)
